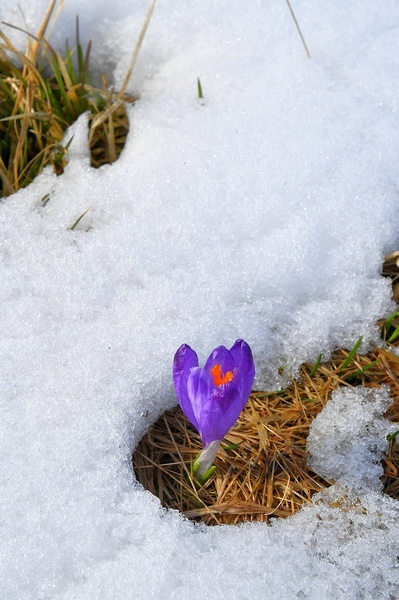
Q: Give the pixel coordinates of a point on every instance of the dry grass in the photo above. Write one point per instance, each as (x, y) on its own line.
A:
(261, 469)
(42, 93)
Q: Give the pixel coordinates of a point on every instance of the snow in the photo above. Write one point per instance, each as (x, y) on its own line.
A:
(348, 438)
(262, 212)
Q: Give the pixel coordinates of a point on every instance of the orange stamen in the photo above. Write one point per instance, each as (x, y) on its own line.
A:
(219, 378)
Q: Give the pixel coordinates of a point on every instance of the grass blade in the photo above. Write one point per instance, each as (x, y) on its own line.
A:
(298, 28)
(137, 49)
(80, 218)
(351, 355)
(199, 86)
(388, 324)
(356, 374)
(316, 365)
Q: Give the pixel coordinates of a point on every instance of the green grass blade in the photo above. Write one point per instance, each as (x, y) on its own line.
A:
(79, 50)
(351, 354)
(60, 81)
(232, 446)
(393, 337)
(388, 324)
(69, 64)
(199, 86)
(85, 74)
(356, 374)
(316, 365)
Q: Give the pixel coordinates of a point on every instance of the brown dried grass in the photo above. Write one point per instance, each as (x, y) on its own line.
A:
(261, 469)
(43, 92)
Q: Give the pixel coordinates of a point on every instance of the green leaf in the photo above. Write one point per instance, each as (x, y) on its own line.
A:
(232, 446)
(207, 475)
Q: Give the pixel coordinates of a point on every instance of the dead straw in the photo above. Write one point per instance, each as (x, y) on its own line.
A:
(43, 92)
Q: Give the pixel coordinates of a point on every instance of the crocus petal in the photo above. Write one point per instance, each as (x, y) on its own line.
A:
(185, 359)
(219, 413)
(184, 362)
(245, 368)
(220, 356)
(242, 355)
(199, 388)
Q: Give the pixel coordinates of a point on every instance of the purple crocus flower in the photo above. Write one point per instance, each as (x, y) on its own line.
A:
(213, 397)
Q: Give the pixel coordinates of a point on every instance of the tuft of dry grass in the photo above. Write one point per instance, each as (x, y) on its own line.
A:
(42, 94)
(261, 470)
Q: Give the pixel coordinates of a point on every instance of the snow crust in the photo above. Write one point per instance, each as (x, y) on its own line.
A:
(348, 438)
(262, 212)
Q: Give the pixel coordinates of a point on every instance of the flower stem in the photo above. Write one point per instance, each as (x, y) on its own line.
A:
(205, 459)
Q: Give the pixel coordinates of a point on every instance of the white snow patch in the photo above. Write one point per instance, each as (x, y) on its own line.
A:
(347, 439)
